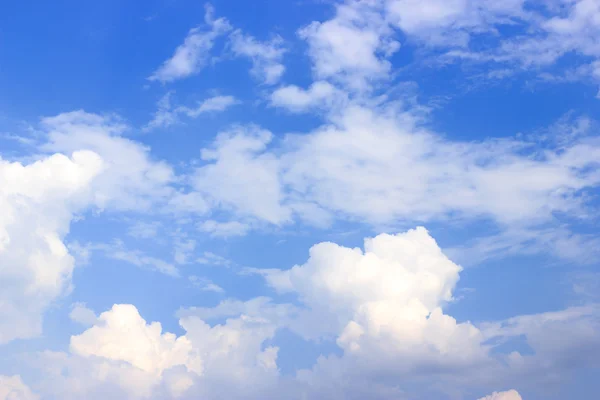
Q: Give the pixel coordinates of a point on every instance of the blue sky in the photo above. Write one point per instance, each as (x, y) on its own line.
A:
(376, 199)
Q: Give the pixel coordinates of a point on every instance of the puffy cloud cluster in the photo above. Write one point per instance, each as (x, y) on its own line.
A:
(124, 354)
(384, 167)
(383, 307)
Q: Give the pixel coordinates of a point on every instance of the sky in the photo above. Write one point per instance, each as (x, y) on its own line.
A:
(300, 199)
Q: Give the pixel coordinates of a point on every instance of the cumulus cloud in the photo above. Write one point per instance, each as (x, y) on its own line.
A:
(131, 180)
(38, 202)
(86, 164)
(124, 355)
(192, 55)
(382, 306)
(389, 300)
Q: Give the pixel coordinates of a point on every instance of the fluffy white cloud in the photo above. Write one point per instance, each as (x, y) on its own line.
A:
(93, 166)
(319, 95)
(12, 388)
(191, 56)
(382, 306)
(508, 395)
(124, 355)
(122, 335)
(265, 56)
(38, 201)
(382, 166)
(240, 178)
(347, 48)
(131, 180)
(386, 300)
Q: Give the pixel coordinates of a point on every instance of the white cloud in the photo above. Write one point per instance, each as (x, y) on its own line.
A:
(508, 395)
(167, 114)
(143, 230)
(385, 300)
(381, 166)
(12, 388)
(217, 103)
(241, 176)
(141, 260)
(205, 285)
(382, 306)
(319, 95)
(191, 56)
(224, 229)
(184, 249)
(121, 334)
(347, 48)
(83, 315)
(124, 355)
(118, 251)
(209, 258)
(38, 202)
(265, 56)
(130, 180)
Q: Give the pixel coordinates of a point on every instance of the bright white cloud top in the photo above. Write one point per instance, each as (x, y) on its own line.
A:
(368, 199)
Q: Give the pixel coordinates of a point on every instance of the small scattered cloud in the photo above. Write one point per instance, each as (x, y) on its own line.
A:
(191, 56)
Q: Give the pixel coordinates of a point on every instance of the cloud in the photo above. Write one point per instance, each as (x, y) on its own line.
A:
(319, 95)
(121, 334)
(38, 201)
(124, 355)
(382, 306)
(116, 250)
(388, 301)
(508, 395)
(265, 56)
(205, 285)
(167, 115)
(357, 65)
(191, 56)
(382, 166)
(224, 229)
(12, 388)
(238, 177)
(217, 103)
(83, 315)
(130, 179)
